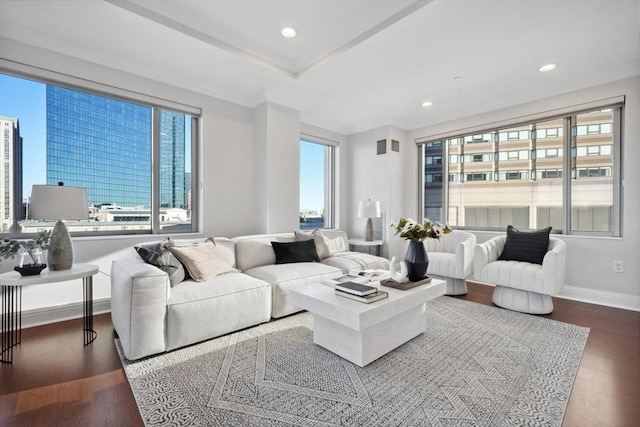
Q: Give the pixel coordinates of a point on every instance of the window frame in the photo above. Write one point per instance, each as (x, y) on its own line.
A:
(47, 77)
(330, 155)
(565, 134)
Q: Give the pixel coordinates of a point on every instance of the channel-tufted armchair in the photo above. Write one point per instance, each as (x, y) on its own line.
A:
(523, 286)
(451, 259)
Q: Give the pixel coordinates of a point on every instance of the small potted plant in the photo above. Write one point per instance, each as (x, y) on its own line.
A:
(34, 248)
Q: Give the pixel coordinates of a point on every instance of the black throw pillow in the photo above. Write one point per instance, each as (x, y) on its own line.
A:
(289, 252)
(525, 246)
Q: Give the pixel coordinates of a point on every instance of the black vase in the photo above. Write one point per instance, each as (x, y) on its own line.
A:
(416, 260)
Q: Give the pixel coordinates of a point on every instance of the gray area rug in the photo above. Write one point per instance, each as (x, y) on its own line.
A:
(475, 365)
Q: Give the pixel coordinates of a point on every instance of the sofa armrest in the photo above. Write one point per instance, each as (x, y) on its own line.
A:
(553, 266)
(487, 252)
(139, 296)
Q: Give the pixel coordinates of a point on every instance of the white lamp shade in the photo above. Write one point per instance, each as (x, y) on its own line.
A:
(58, 202)
(369, 209)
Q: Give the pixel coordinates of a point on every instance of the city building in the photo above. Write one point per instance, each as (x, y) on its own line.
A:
(172, 160)
(109, 154)
(11, 204)
(515, 175)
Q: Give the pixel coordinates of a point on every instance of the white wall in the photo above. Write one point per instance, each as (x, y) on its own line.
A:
(383, 178)
(277, 159)
(589, 259)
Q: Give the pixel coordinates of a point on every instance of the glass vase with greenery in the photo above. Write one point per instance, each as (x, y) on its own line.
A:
(10, 248)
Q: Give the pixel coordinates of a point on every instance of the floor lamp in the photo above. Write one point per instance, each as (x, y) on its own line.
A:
(368, 209)
(57, 202)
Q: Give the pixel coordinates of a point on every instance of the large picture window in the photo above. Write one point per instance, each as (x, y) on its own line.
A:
(133, 158)
(316, 185)
(561, 171)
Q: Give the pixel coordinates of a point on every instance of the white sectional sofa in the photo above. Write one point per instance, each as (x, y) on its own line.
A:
(152, 316)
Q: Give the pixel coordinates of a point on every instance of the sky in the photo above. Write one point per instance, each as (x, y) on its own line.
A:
(311, 176)
(26, 101)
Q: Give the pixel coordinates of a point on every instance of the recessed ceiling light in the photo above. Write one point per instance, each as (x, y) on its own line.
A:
(288, 32)
(427, 104)
(547, 67)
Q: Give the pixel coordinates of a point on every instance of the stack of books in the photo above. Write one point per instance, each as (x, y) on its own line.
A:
(360, 292)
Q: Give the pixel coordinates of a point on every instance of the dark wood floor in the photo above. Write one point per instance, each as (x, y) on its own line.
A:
(55, 381)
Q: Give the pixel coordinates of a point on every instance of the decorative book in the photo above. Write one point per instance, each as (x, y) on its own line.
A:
(376, 296)
(404, 286)
(356, 288)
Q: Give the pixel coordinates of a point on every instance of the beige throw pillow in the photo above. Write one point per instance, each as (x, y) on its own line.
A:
(202, 260)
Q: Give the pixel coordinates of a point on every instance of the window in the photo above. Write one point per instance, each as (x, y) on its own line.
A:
(537, 175)
(133, 158)
(316, 185)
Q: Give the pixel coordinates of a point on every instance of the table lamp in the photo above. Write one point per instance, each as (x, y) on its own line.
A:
(368, 209)
(57, 202)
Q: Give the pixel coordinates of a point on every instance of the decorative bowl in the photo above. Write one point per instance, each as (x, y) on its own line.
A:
(30, 269)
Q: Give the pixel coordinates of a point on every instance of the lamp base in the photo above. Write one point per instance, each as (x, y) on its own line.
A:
(60, 252)
(369, 232)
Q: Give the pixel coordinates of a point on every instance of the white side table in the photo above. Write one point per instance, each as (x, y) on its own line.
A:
(376, 244)
(11, 312)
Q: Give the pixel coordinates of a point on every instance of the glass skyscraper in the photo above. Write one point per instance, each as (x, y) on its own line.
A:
(172, 160)
(104, 145)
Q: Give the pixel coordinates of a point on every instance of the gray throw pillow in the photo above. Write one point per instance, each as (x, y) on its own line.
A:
(156, 254)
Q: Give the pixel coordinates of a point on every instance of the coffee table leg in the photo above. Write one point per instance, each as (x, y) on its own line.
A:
(89, 333)
(11, 321)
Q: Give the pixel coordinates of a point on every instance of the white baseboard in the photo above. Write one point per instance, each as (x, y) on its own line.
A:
(593, 296)
(60, 313)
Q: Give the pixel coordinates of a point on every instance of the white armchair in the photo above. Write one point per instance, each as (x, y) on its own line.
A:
(451, 259)
(521, 286)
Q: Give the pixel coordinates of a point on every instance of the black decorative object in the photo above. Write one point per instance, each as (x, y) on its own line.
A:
(30, 269)
(416, 260)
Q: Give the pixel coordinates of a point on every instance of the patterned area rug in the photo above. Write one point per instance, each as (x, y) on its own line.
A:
(475, 365)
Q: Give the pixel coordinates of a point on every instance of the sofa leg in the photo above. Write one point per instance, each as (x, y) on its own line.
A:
(522, 301)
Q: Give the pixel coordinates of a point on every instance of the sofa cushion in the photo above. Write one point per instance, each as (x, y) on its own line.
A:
(256, 250)
(202, 260)
(156, 254)
(225, 303)
(525, 246)
(284, 277)
(290, 252)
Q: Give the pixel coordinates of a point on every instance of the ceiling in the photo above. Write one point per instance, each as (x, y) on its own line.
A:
(355, 64)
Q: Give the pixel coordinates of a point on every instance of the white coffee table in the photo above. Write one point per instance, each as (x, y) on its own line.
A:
(359, 332)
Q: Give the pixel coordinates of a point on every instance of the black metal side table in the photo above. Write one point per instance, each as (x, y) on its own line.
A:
(11, 284)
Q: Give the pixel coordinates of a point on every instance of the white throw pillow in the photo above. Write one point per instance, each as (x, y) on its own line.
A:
(336, 245)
